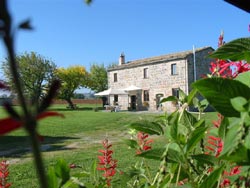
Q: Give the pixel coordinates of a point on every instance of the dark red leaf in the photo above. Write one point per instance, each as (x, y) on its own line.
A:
(9, 124)
(48, 114)
(3, 86)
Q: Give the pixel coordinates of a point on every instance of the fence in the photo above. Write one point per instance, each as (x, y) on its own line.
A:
(58, 101)
(79, 101)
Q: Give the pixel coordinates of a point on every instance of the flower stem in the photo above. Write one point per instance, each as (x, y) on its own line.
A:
(38, 158)
(14, 72)
(28, 119)
(178, 175)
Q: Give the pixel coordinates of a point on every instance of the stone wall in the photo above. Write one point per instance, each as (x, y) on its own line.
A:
(160, 80)
(202, 65)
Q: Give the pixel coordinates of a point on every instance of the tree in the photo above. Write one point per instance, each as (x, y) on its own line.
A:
(36, 73)
(72, 78)
(98, 79)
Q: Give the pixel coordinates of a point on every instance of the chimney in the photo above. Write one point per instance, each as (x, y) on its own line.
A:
(122, 59)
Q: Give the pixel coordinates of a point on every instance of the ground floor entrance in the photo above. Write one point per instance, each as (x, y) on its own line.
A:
(133, 102)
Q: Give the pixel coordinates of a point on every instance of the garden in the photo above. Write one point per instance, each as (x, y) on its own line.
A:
(77, 139)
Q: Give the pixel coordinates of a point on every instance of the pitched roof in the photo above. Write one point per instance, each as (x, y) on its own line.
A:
(158, 59)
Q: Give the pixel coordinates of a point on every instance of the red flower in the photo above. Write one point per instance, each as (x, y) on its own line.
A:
(216, 145)
(106, 162)
(235, 170)
(220, 41)
(218, 122)
(240, 67)
(221, 68)
(4, 173)
(143, 143)
(225, 183)
(9, 124)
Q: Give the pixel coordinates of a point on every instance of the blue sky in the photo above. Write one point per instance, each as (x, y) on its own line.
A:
(69, 32)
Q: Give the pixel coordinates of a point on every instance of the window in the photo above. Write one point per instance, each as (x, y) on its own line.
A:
(145, 73)
(175, 92)
(146, 95)
(173, 69)
(115, 77)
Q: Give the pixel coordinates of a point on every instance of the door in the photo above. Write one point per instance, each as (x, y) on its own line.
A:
(133, 102)
(158, 99)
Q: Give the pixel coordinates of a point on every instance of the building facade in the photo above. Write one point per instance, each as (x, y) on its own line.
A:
(146, 81)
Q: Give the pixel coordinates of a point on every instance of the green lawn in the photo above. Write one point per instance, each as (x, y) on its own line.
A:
(75, 138)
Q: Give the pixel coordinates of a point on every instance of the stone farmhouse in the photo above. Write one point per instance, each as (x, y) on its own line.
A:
(141, 84)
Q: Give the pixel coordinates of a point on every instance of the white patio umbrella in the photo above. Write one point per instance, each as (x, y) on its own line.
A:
(111, 91)
(132, 88)
(102, 93)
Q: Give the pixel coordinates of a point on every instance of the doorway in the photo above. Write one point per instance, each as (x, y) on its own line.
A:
(158, 99)
(133, 102)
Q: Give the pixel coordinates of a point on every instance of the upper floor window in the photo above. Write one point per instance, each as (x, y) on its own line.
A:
(115, 77)
(145, 73)
(173, 69)
(146, 95)
(175, 92)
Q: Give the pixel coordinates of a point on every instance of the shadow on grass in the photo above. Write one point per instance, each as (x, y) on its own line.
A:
(78, 109)
(17, 146)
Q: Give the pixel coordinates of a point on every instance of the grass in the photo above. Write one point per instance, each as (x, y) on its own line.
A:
(75, 138)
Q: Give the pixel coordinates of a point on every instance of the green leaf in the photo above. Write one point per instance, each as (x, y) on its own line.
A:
(235, 50)
(189, 119)
(62, 170)
(195, 137)
(247, 144)
(165, 182)
(82, 174)
(191, 96)
(93, 171)
(244, 78)
(219, 91)
(173, 122)
(155, 153)
(223, 127)
(52, 178)
(204, 103)
(238, 104)
(182, 96)
(131, 143)
(174, 156)
(196, 102)
(206, 159)
(70, 184)
(170, 98)
(232, 139)
(211, 180)
(239, 156)
(200, 123)
(147, 127)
